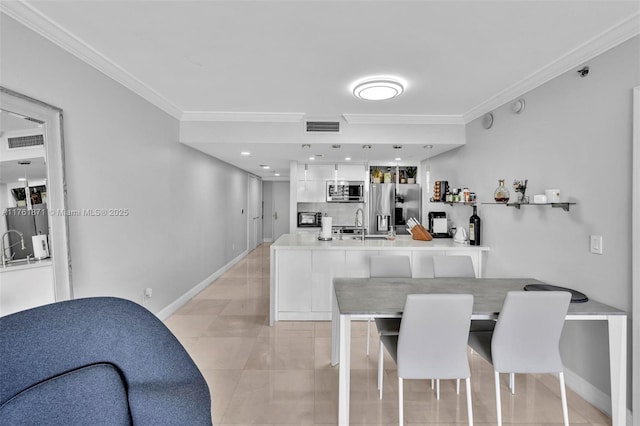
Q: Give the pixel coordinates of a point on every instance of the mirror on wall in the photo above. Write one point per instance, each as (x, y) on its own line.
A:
(34, 221)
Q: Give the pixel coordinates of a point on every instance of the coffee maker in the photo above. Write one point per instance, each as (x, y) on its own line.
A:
(438, 227)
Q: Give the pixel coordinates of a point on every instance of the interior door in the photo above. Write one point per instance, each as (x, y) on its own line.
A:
(254, 218)
(280, 212)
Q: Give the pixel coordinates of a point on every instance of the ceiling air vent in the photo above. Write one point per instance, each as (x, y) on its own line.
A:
(26, 141)
(323, 126)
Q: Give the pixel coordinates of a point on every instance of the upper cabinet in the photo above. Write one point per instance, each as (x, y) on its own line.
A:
(325, 172)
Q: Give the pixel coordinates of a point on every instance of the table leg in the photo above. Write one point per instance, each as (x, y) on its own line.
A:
(344, 370)
(618, 367)
(335, 332)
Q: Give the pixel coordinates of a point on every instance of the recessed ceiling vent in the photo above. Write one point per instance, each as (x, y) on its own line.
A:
(25, 141)
(323, 126)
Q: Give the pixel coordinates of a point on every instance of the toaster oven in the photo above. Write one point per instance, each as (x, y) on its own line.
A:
(309, 219)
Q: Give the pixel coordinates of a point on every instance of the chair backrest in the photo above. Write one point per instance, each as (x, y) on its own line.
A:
(526, 338)
(74, 362)
(433, 336)
(453, 267)
(389, 266)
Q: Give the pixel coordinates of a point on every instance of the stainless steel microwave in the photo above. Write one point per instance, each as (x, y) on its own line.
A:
(345, 191)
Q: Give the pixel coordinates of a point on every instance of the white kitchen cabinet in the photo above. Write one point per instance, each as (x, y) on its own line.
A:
(312, 191)
(303, 269)
(326, 172)
(321, 172)
(351, 172)
(294, 278)
(325, 265)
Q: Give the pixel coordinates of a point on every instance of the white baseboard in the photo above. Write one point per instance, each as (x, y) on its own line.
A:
(267, 240)
(591, 394)
(167, 311)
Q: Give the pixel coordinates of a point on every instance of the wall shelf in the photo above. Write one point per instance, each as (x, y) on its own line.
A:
(563, 206)
(451, 203)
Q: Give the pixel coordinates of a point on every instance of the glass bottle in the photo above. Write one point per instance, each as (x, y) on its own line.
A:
(501, 194)
(474, 228)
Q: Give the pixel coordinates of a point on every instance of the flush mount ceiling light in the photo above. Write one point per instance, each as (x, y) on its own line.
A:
(378, 88)
(245, 153)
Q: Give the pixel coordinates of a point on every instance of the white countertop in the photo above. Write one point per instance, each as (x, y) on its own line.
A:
(402, 242)
(19, 266)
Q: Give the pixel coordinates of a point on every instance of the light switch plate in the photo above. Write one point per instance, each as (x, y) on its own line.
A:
(596, 244)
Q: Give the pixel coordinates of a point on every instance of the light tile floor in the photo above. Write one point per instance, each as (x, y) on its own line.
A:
(281, 375)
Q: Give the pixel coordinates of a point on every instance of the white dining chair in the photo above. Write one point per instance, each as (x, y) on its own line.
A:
(453, 267)
(526, 339)
(386, 266)
(432, 343)
(458, 267)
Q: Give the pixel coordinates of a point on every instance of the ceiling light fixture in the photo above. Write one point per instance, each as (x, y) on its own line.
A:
(398, 159)
(245, 153)
(428, 146)
(264, 166)
(378, 88)
(347, 158)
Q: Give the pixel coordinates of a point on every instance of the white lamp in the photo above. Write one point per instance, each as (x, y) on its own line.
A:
(378, 88)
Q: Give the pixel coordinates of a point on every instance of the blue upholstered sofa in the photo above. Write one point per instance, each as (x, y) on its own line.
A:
(96, 361)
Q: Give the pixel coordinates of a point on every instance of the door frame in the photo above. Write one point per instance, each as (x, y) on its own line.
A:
(635, 254)
(254, 203)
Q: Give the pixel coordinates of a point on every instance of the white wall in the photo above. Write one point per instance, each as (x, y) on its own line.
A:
(185, 219)
(575, 134)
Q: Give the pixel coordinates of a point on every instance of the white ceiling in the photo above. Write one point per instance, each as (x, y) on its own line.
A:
(214, 60)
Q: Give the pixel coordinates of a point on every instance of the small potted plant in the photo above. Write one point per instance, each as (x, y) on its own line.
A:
(521, 187)
(376, 175)
(411, 174)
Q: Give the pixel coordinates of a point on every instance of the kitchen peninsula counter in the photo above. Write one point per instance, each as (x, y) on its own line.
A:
(26, 285)
(303, 268)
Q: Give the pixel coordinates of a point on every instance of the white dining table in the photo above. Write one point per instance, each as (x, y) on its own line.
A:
(360, 298)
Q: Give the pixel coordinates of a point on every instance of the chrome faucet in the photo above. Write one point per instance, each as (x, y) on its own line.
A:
(6, 259)
(361, 222)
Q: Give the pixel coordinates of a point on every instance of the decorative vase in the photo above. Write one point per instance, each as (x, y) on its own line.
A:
(411, 180)
(501, 194)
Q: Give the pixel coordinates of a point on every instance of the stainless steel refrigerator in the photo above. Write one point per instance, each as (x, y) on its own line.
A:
(381, 207)
(407, 204)
(29, 223)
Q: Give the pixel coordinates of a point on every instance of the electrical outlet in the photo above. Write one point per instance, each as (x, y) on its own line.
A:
(596, 244)
(148, 292)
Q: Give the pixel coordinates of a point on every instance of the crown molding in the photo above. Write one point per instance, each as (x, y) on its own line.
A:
(604, 41)
(402, 119)
(269, 117)
(30, 17)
